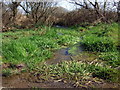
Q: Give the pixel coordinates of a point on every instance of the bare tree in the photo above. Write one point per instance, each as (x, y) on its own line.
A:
(99, 8)
(38, 10)
(118, 11)
(10, 10)
(13, 6)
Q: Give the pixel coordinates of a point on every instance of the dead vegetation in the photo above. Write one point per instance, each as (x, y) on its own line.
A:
(47, 13)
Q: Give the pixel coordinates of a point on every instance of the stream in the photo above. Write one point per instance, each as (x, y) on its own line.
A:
(25, 80)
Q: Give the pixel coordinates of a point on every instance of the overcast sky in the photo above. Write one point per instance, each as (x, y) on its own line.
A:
(69, 6)
(66, 4)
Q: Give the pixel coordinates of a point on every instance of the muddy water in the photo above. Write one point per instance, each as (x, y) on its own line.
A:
(26, 81)
(59, 56)
(64, 54)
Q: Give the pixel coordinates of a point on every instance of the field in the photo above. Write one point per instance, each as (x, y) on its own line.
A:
(28, 50)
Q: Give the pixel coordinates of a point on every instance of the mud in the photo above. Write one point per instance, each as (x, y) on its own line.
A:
(23, 81)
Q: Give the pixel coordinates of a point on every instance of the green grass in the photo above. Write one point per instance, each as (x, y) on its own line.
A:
(7, 72)
(103, 38)
(100, 44)
(111, 58)
(34, 46)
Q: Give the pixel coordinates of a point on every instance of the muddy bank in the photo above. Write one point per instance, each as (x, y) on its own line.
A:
(25, 80)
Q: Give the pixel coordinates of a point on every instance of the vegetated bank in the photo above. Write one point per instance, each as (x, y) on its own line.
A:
(29, 48)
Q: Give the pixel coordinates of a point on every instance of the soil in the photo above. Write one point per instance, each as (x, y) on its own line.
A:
(22, 81)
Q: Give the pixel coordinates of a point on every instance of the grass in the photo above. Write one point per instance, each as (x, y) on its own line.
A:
(76, 72)
(34, 46)
(111, 58)
(99, 44)
(103, 38)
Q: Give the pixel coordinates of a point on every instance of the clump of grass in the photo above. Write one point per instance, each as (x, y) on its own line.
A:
(68, 40)
(76, 72)
(105, 73)
(111, 58)
(99, 44)
(100, 38)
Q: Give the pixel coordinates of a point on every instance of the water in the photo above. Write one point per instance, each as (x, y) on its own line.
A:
(64, 54)
(59, 26)
(59, 56)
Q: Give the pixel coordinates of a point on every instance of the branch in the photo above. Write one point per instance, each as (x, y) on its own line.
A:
(24, 9)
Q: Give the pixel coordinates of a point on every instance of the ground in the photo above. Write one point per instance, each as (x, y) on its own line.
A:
(50, 57)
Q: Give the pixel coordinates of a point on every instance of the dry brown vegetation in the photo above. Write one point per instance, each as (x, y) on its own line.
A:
(47, 13)
(87, 15)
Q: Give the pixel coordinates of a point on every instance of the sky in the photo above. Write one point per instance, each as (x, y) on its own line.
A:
(66, 4)
(70, 7)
